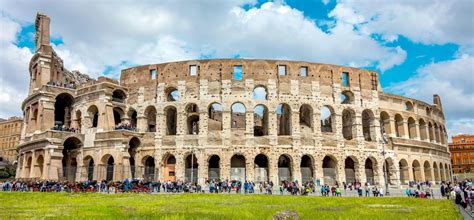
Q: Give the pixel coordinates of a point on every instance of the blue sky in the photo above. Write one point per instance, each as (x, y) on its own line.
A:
(419, 48)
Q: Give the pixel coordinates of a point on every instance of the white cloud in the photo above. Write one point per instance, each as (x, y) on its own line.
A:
(453, 81)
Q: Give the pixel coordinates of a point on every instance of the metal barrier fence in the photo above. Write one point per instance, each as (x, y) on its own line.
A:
(107, 172)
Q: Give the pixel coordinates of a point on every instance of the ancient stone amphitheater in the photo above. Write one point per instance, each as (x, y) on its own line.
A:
(235, 119)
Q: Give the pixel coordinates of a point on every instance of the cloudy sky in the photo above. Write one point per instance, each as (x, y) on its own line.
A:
(418, 47)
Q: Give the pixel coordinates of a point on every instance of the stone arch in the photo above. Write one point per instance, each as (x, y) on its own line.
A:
(368, 125)
(350, 168)
(416, 169)
(408, 106)
(238, 112)
(133, 145)
(62, 111)
(260, 92)
(370, 167)
(150, 114)
(330, 170)
(88, 163)
(427, 171)
(133, 116)
(237, 167)
(118, 116)
(119, 95)
(149, 163)
(347, 97)
(442, 172)
(437, 178)
(404, 171)
(422, 126)
(307, 168)
(261, 168)
(327, 119)
(399, 130)
(109, 162)
(389, 171)
(191, 165)
(93, 113)
(71, 149)
(430, 131)
(285, 166)
(171, 120)
(215, 113)
(411, 128)
(385, 123)
(306, 118)
(348, 124)
(448, 173)
(260, 122)
(28, 167)
(169, 171)
(172, 94)
(214, 167)
(192, 118)
(38, 168)
(284, 119)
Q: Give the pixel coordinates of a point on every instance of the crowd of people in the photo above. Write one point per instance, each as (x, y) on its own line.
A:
(462, 193)
(62, 84)
(58, 127)
(124, 126)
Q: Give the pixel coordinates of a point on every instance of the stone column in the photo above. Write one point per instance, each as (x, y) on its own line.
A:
(393, 128)
(202, 168)
(32, 166)
(411, 176)
(405, 129)
(417, 131)
(141, 123)
(296, 169)
(295, 127)
(23, 166)
(249, 168)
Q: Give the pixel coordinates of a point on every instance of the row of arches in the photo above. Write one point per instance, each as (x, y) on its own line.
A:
(430, 171)
(413, 129)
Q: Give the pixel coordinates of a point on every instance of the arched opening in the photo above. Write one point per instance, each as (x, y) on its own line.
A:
(171, 119)
(422, 125)
(118, 115)
(408, 106)
(369, 171)
(150, 114)
(237, 167)
(385, 123)
(89, 164)
(110, 169)
(70, 151)
(416, 169)
(389, 171)
(327, 119)
(149, 168)
(348, 128)
(428, 111)
(78, 120)
(260, 120)
(399, 125)
(436, 133)
(347, 97)
(329, 170)
(38, 172)
(261, 168)
(411, 128)
(214, 172)
(170, 167)
(62, 111)
(192, 115)
(172, 94)
(349, 169)
(427, 171)
(119, 96)
(436, 173)
(132, 114)
(260, 93)
(191, 165)
(442, 172)
(93, 114)
(368, 125)
(214, 122)
(28, 167)
(133, 145)
(284, 168)
(238, 116)
(431, 131)
(404, 176)
(306, 167)
(306, 118)
(284, 119)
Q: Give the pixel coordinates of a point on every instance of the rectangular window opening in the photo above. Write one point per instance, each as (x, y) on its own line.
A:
(153, 74)
(193, 70)
(345, 79)
(237, 75)
(304, 71)
(282, 70)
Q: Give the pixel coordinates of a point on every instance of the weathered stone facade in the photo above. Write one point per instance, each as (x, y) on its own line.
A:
(238, 119)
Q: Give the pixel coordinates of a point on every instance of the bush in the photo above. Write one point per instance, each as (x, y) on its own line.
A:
(4, 174)
(11, 171)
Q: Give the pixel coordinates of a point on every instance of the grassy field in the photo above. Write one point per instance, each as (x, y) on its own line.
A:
(211, 206)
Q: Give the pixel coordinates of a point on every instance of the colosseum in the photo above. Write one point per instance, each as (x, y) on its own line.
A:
(234, 119)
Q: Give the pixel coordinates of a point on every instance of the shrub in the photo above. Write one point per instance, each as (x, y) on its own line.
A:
(4, 174)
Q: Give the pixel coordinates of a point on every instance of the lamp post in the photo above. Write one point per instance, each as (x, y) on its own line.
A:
(383, 141)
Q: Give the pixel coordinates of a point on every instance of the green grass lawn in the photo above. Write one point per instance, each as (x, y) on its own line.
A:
(212, 206)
